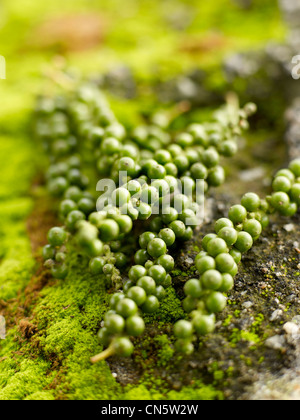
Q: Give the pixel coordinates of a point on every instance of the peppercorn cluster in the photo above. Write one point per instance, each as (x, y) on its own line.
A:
(155, 173)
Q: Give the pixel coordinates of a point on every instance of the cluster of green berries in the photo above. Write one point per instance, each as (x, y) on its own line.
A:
(159, 188)
(217, 264)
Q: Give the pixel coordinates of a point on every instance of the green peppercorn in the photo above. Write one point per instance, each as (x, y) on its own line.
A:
(215, 302)
(228, 148)
(136, 272)
(216, 176)
(207, 239)
(183, 329)
(236, 255)
(253, 227)
(281, 183)
(123, 347)
(280, 201)
(225, 263)
(210, 158)
(237, 214)
(193, 288)
(205, 263)
(115, 299)
(96, 265)
(169, 215)
(168, 236)
(141, 257)
(227, 283)
(216, 246)
(126, 307)
(178, 228)
(135, 326)
(114, 324)
(137, 294)
(48, 252)
(56, 236)
(251, 202)
(204, 324)
(158, 273)
(295, 193)
(73, 218)
(167, 262)
(211, 279)
(157, 247)
(244, 242)
(295, 167)
(59, 271)
(151, 305)
(223, 223)
(145, 238)
(199, 171)
(109, 230)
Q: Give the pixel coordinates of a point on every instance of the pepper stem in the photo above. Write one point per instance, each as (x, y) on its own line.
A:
(110, 351)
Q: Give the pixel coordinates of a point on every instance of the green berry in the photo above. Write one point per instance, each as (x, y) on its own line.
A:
(137, 294)
(207, 239)
(295, 167)
(120, 196)
(251, 202)
(158, 273)
(205, 263)
(281, 183)
(126, 308)
(135, 326)
(216, 176)
(229, 235)
(210, 158)
(216, 302)
(225, 263)
(183, 329)
(199, 171)
(253, 227)
(123, 347)
(222, 223)
(217, 246)
(56, 236)
(295, 193)
(151, 305)
(115, 299)
(211, 279)
(160, 292)
(145, 238)
(244, 242)
(157, 247)
(141, 257)
(280, 201)
(236, 255)
(48, 252)
(167, 262)
(169, 215)
(136, 272)
(204, 324)
(237, 214)
(178, 228)
(193, 288)
(227, 283)
(114, 324)
(96, 265)
(168, 236)
(148, 284)
(109, 230)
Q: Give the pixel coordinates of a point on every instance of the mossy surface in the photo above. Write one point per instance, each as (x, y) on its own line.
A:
(52, 325)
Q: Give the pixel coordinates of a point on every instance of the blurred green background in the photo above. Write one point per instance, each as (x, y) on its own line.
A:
(156, 38)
